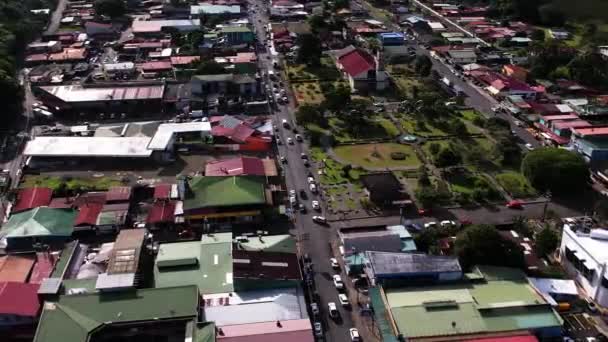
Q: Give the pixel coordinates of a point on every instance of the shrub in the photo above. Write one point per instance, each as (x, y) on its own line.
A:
(398, 155)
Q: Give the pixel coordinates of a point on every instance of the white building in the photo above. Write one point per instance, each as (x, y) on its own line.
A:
(584, 257)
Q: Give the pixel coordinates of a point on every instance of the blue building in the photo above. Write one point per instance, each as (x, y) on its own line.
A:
(391, 38)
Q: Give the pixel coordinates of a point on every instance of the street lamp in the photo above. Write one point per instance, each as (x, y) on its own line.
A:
(548, 196)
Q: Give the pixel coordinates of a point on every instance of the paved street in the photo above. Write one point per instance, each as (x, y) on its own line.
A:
(315, 239)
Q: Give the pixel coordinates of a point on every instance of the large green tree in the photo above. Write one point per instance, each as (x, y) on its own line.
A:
(483, 245)
(546, 241)
(310, 114)
(210, 68)
(423, 65)
(556, 170)
(310, 50)
(110, 8)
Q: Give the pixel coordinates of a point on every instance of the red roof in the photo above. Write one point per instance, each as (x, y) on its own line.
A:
(30, 198)
(42, 268)
(294, 330)
(184, 60)
(161, 212)
(15, 268)
(356, 62)
(591, 131)
(90, 198)
(118, 193)
(241, 133)
(162, 191)
(87, 214)
(236, 167)
(520, 338)
(19, 299)
(157, 66)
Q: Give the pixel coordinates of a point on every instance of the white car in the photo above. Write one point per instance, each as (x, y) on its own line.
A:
(432, 224)
(318, 329)
(529, 147)
(310, 180)
(319, 219)
(447, 224)
(333, 309)
(338, 282)
(334, 263)
(299, 137)
(313, 188)
(290, 141)
(343, 299)
(354, 335)
(315, 205)
(292, 192)
(314, 308)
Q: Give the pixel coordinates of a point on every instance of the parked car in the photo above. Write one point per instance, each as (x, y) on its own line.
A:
(283, 159)
(334, 263)
(447, 224)
(302, 208)
(315, 205)
(318, 329)
(354, 335)
(303, 156)
(333, 310)
(515, 204)
(431, 224)
(338, 283)
(319, 219)
(290, 141)
(314, 308)
(310, 180)
(299, 138)
(313, 188)
(343, 299)
(529, 147)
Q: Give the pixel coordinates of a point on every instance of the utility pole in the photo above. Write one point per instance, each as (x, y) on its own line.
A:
(548, 196)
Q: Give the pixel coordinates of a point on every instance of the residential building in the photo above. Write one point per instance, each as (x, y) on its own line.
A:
(462, 56)
(391, 38)
(207, 264)
(233, 134)
(223, 201)
(295, 330)
(237, 34)
(19, 305)
(242, 166)
(583, 255)
(39, 225)
(224, 85)
(51, 46)
(556, 291)
(361, 70)
(491, 302)
(215, 10)
(139, 314)
(391, 269)
(100, 30)
(516, 72)
(591, 143)
(30, 198)
(384, 189)
(151, 28)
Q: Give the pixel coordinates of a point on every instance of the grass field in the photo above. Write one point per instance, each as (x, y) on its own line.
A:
(377, 128)
(308, 93)
(515, 184)
(100, 184)
(326, 71)
(377, 155)
(423, 129)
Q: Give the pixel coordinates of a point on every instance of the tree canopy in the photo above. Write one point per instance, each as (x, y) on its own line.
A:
(423, 65)
(110, 8)
(210, 68)
(483, 245)
(310, 114)
(310, 50)
(546, 241)
(556, 170)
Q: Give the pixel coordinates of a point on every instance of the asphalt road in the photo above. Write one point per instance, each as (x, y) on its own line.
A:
(314, 239)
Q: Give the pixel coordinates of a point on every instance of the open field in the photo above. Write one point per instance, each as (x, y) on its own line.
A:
(378, 155)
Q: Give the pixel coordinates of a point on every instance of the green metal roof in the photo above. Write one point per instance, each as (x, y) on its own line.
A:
(227, 29)
(500, 299)
(212, 272)
(204, 332)
(41, 221)
(225, 191)
(74, 318)
(284, 243)
(64, 259)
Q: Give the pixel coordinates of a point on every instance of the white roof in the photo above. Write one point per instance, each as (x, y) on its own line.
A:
(594, 248)
(157, 25)
(564, 108)
(577, 102)
(374, 22)
(88, 147)
(165, 132)
(119, 66)
(435, 25)
(547, 286)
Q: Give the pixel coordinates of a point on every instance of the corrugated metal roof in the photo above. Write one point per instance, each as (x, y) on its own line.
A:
(77, 93)
(19, 299)
(30, 198)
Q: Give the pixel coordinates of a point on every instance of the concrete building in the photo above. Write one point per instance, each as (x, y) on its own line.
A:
(584, 255)
(362, 71)
(402, 268)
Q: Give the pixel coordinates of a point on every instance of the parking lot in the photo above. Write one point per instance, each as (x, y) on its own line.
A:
(579, 326)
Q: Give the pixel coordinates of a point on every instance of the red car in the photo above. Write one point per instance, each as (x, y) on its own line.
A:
(515, 204)
(466, 221)
(424, 212)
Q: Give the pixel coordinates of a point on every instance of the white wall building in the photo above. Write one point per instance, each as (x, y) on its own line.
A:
(584, 257)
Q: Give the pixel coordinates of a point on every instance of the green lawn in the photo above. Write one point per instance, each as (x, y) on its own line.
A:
(515, 184)
(469, 114)
(377, 128)
(327, 71)
(407, 84)
(377, 155)
(423, 129)
(100, 184)
(465, 182)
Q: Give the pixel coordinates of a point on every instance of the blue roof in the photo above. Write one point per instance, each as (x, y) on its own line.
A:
(391, 35)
